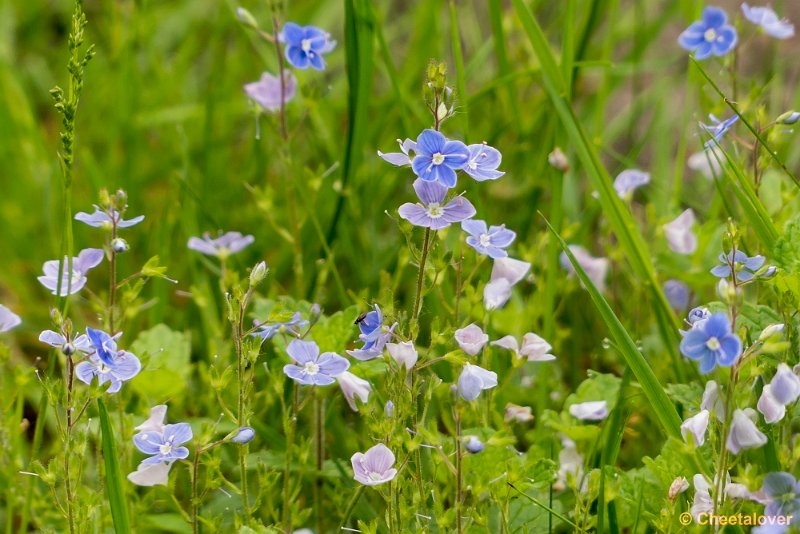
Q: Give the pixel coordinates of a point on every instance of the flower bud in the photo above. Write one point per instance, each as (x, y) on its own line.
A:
(678, 486)
(246, 18)
(769, 272)
(68, 349)
(473, 444)
(558, 160)
(790, 117)
(441, 112)
(119, 245)
(258, 273)
(389, 408)
(770, 331)
(244, 435)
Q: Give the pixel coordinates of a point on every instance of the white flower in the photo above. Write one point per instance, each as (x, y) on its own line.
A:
(151, 474)
(156, 421)
(533, 347)
(506, 272)
(696, 426)
(471, 339)
(590, 411)
(768, 405)
(403, 353)
(352, 387)
(785, 385)
(702, 503)
(743, 433)
(707, 162)
(711, 400)
(520, 414)
(679, 233)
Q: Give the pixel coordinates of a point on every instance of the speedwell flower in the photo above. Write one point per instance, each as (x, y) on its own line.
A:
(400, 159)
(437, 159)
(70, 283)
(491, 241)
(431, 212)
(266, 92)
(769, 21)
(696, 426)
(712, 343)
(67, 346)
(711, 35)
(222, 246)
(107, 362)
(679, 234)
(781, 494)
(629, 181)
(589, 411)
(267, 331)
(244, 435)
(471, 339)
(164, 446)
(483, 162)
(677, 294)
(534, 348)
(717, 129)
(312, 368)
(744, 266)
(352, 387)
(743, 433)
(374, 467)
(475, 379)
(107, 219)
(8, 319)
(374, 334)
(305, 45)
(506, 273)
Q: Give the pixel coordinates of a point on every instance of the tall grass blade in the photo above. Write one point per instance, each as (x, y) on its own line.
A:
(114, 488)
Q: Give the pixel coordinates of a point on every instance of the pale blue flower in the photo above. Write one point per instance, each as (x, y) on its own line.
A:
(491, 241)
(629, 181)
(744, 266)
(375, 466)
(293, 326)
(67, 346)
(769, 21)
(374, 334)
(266, 92)
(400, 159)
(437, 159)
(473, 444)
(744, 434)
(8, 319)
(483, 162)
(473, 380)
(244, 435)
(718, 129)
(71, 283)
(781, 494)
(305, 45)
(711, 35)
(222, 246)
(432, 212)
(107, 219)
(698, 314)
(677, 294)
(164, 446)
(712, 343)
(312, 368)
(107, 362)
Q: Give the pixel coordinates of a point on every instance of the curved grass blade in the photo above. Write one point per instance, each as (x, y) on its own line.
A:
(114, 488)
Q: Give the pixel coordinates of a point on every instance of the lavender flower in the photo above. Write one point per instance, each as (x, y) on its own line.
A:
(785, 385)
(679, 233)
(8, 319)
(772, 409)
(266, 92)
(67, 346)
(707, 162)
(305, 45)
(473, 380)
(743, 433)
(490, 242)
(431, 212)
(629, 181)
(152, 474)
(164, 446)
(437, 159)
(696, 426)
(473, 444)
(293, 326)
(744, 266)
(471, 339)
(403, 353)
(533, 347)
(589, 411)
(483, 162)
(312, 368)
(711, 35)
(107, 219)
(717, 129)
(596, 268)
(769, 21)
(677, 294)
(781, 495)
(222, 246)
(73, 282)
(244, 435)
(506, 272)
(352, 387)
(107, 362)
(712, 343)
(375, 466)
(374, 334)
(400, 159)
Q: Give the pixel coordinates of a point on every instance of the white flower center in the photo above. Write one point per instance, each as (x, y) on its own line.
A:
(165, 448)
(305, 44)
(438, 158)
(435, 210)
(710, 35)
(713, 343)
(484, 240)
(311, 368)
(103, 369)
(375, 476)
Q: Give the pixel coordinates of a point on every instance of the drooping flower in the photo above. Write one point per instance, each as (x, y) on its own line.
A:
(436, 158)
(432, 212)
(86, 260)
(164, 446)
(244, 435)
(404, 353)
(696, 426)
(519, 414)
(629, 181)
(400, 159)
(712, 343)
(305, 45)
(67, 346)
(677, 294)
(679, 234)
(711, 35)
(769, 21)
(744, 266)
(596, 268)
(352, 387)
(473, 444)
(491, 241)
(702, 503)
(534, 347)
(570, 464)
(711, 400)
(772, 410)
(101, 218)
(471, 339)
(785, 385)
(483, 162)
(293, 326)
(743, 433)
(506, 272)
(312, 368)
(107, 362)
(697, 315)
(717, 129)
(707, 162)
(590, 411)
(473, 380)
(374, 467)
(8, 319)
(266, 92)
(222, 246)
(374, 334)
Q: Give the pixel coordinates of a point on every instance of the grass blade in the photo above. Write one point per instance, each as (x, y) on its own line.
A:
(114, 488)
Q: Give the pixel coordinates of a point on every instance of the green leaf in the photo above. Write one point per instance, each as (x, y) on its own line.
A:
(787, 248)
(114, 488)
(167, 356)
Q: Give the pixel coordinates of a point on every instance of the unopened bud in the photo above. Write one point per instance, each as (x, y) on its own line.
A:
(68, 349)
(246, 18)
(770, 331)
(244, 435)
(769, 272)
(119, 245)
(258, 274)
(678, 486)
(441, 112)
(558, 160)
(790, 117)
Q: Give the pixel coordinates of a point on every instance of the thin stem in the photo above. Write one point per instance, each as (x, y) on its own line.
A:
(350, 507)
(421, 276)
(284, 131)
(319, 444)
(290, 430)
(241, 404)
(68, 446)
(112, 289)
(459, 478)
(195, 497)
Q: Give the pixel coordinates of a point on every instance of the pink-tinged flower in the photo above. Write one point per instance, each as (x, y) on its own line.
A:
(374, 467)
(590, 411)
(8, 319)
(473, 380)
(352, 387)
(770, 407)
(596, 268)
(785, 385)
(696, 426)
(403, 353)
(73, 282)
(222, 246)
(679, 234)
(266, 92)
(769, 21)
(471, 339)
(533, 347)
(743, 433)
(519, 414)
(506, 272)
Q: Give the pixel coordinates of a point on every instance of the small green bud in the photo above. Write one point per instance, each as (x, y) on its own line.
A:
(246, 18)
(258, 273)
(790, 117)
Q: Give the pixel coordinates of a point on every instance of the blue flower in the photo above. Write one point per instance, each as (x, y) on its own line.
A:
(483, 162)
(677, 294)
(432, 212)
(400, 159)
(629, 181)
(711, 35)
(292, 326)
(712, 343)
(266, 92)
(489, 242)
(70, 284)
(107, 362)
(473, 380)
(164, 446)
(244, 435)
(222, 246)
(781, 491)
(769, 21)
(8, 319)
(305, 45)
(744, 266)
(698, 314)
(312, 368)
(374, 334)
(103, 219)
(437, 159)
(67, 346)
(717, 129)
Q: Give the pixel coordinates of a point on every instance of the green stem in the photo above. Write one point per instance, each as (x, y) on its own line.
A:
(350, 507)
(319, 444)
(421, 280)
(291, 423)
